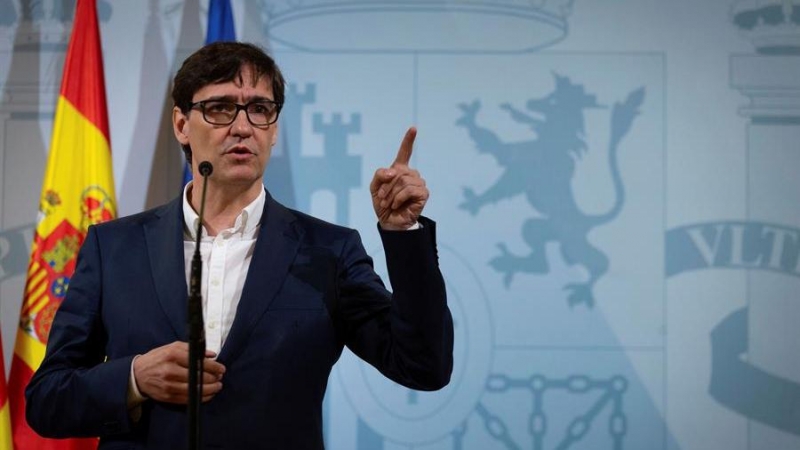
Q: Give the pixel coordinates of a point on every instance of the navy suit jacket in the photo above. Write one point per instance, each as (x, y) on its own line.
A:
(310, 290)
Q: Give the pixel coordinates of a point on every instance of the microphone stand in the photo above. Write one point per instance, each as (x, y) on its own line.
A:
(197, 337)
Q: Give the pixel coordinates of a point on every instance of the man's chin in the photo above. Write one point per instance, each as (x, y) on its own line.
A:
(240, 178)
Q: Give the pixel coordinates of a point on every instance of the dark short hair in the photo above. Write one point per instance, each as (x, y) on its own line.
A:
(221, 62)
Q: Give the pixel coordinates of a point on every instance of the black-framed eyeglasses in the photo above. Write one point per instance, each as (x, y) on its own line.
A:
(259, 113)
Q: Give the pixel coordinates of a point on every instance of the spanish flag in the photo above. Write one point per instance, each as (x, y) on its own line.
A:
(5, 419)
(77, 191)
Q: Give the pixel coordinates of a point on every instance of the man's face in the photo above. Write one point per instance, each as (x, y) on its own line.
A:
(240, 151)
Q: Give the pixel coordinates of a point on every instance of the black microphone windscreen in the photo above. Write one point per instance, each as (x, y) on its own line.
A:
(205, 168)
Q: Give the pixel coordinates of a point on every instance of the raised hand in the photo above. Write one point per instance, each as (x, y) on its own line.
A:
(163, 375)
(398, 192)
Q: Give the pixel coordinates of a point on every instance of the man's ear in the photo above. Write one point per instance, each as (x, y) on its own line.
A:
(275, 135)
(180, 126)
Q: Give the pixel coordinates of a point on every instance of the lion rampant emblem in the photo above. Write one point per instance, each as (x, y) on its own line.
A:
(542, 169)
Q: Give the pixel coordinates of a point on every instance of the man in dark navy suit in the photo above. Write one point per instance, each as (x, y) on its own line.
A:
(283, 292)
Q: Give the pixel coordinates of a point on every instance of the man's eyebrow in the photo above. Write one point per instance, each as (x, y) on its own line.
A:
(233, 99)
(258, 98)
(220, 98)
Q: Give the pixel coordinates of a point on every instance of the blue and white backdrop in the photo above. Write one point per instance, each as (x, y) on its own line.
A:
(615, 184)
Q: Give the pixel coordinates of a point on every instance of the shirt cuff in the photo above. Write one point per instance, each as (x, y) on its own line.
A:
(135, 397)
(417, 225)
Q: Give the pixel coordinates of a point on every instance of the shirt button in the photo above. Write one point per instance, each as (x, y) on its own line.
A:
(215, 282)
(212, 325)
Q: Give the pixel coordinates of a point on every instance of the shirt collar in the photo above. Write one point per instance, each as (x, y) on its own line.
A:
(246, 223)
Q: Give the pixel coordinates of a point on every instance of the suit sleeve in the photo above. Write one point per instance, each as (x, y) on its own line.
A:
(76, 392)
(408, 334)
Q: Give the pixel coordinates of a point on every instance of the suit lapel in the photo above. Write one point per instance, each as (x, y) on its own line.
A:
(275, 250)
(164, 237)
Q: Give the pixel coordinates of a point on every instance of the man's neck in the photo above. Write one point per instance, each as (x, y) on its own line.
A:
(223, 203)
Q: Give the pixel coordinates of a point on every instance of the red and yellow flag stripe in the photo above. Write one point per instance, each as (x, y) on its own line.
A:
(77, 191)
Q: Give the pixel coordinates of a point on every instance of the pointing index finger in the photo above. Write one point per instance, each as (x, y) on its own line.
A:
(404, 153)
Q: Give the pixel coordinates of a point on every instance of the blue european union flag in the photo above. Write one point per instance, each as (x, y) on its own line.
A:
(220, 22)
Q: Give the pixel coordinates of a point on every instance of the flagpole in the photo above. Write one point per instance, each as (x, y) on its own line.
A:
(5, 416)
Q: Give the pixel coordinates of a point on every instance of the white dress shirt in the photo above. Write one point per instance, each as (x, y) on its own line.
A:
(226, 259)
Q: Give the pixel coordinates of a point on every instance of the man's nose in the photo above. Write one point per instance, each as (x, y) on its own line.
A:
(241, 123)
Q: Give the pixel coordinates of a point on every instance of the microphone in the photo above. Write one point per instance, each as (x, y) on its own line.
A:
(197, 338)
(205, 169)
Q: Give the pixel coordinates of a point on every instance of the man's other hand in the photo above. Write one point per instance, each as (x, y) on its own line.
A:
(162, 374)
